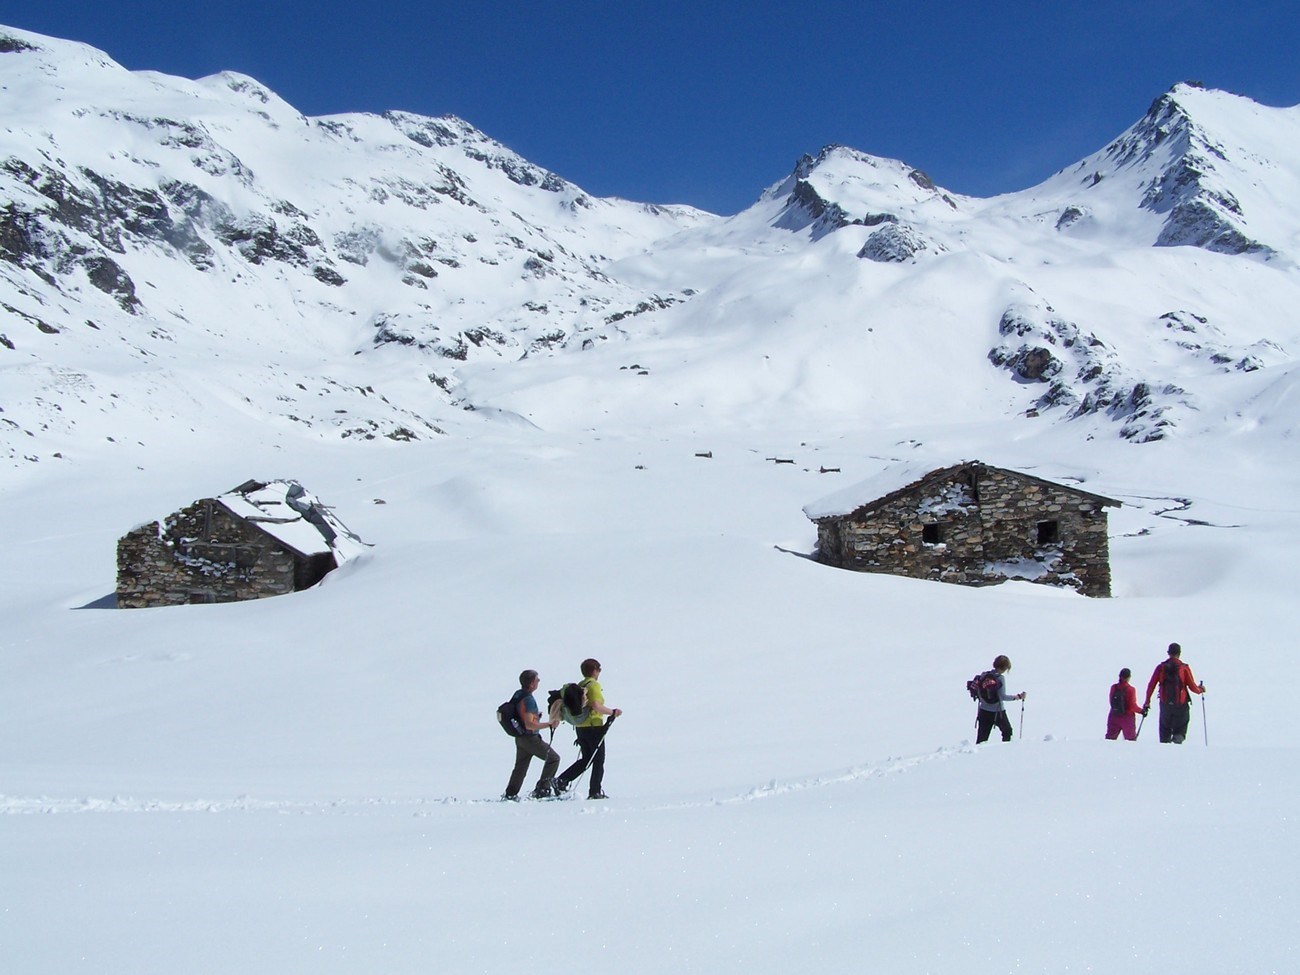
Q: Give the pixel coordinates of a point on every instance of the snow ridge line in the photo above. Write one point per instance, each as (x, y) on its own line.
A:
(44, 805)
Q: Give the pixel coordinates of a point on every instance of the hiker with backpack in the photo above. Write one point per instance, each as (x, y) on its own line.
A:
(591, 729)
(1123, 709)
(1175, 680)
(990, 690)
(522, 719)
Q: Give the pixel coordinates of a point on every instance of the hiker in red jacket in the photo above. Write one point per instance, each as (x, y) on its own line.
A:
(1123, 708)
(1175, 680)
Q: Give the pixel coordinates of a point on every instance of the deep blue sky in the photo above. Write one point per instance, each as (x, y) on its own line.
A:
(707, 102)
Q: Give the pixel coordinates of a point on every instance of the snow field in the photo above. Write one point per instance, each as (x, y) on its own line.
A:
(305, 782)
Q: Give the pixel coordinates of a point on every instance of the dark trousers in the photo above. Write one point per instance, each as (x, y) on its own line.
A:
(1173, 721)
(528, 747)
(984, 722)
(592, 754)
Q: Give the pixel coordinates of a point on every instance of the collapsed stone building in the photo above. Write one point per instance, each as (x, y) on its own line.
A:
(263, 538)
(970, 523)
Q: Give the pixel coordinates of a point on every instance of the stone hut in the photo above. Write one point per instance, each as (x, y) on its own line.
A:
(970, 523)
(263, 538)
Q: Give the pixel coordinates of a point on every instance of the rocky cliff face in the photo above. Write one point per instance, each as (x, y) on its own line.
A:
(1198, 210)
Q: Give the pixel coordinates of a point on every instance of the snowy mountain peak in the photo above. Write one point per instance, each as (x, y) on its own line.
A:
(53, 50)
(1218, 169)
(253, 94)
(840, 186)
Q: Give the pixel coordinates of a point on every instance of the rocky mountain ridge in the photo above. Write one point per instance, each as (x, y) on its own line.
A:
(368, 276)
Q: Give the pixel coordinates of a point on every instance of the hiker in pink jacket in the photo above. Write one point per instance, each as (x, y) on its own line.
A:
(1123, 708)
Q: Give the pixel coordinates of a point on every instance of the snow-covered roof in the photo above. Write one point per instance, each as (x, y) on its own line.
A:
(851, 498)
(294, 517)
(903, 477)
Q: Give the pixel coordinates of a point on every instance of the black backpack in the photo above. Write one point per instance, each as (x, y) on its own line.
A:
(508, 717)
(984, 687)
(1170, 681)
(1117, 703)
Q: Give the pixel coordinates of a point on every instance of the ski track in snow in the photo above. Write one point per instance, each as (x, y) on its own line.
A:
(45, 805)
(891, 766)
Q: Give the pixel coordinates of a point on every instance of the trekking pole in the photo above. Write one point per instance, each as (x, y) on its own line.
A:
(1138, 734)
(1204, 726)
(599, 745)
(1022, 719)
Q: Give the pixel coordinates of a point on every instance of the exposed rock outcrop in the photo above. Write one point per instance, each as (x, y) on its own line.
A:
(895, 243)
(1083, 376)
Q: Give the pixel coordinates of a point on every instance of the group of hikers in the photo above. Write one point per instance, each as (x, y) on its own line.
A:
(581, 704)
(1172, 678)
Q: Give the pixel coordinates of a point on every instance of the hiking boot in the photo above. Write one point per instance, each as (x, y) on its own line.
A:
(505, 798)
(560, 786)
(597, 795)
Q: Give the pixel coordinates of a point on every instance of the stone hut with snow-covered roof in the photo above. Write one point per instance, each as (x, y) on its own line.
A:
(263, 538)
(970, 523)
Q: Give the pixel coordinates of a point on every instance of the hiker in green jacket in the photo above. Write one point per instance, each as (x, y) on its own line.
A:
(591, 735)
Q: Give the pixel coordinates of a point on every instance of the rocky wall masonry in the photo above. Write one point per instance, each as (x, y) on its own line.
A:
(201, 555)
(997, 527)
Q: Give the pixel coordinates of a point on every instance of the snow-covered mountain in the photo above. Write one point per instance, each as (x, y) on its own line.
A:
(365, 276)
(153, 222)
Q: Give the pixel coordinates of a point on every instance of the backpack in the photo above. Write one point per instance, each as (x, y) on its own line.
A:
(1117, 703)
(508, 718)
(1171, 682)
(984, 687)
(569, 703)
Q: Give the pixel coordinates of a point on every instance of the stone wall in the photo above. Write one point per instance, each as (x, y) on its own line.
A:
(1012, 509)
(203, 554)
(979, 526)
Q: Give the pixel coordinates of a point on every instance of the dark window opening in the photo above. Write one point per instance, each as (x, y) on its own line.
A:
(1049, 532)
(932, 534)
